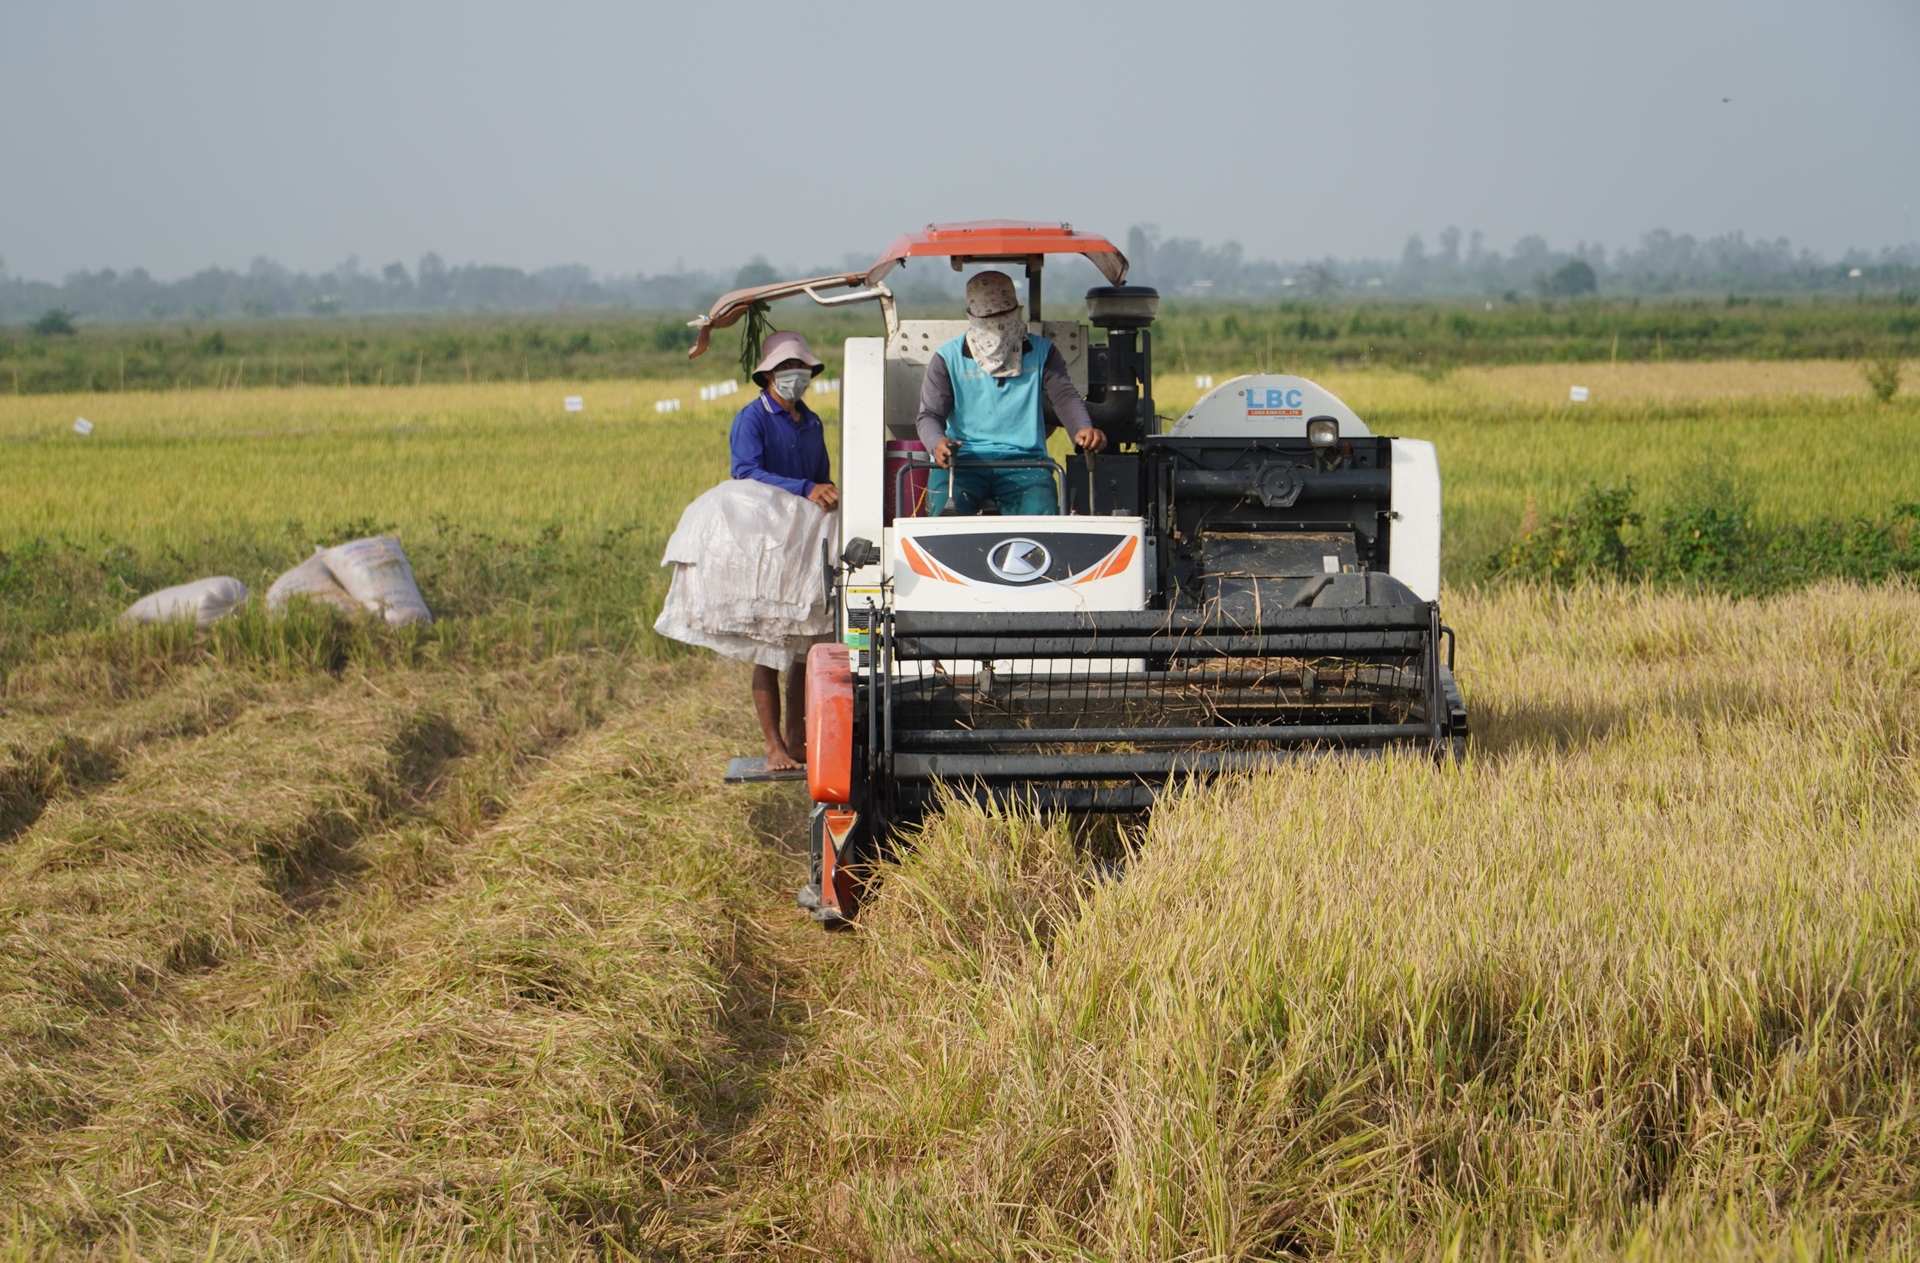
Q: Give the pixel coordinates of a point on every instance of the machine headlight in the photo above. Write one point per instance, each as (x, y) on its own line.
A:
(1323, 431)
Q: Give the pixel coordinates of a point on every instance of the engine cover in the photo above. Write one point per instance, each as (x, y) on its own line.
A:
(1266, 405)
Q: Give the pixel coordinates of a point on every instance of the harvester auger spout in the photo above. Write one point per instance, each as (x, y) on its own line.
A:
(1258, 584)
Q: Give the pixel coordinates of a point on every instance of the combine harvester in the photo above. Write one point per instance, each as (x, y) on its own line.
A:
(1257, 583)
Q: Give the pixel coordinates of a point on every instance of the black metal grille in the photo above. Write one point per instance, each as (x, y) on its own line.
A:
(1148, 693)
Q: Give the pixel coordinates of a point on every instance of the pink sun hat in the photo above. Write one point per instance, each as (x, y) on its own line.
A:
(786, 345)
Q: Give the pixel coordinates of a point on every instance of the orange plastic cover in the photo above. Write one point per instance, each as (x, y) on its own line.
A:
(830, 723)
(838, 889)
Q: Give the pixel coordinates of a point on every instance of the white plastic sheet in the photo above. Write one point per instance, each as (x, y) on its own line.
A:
(746, 574)
(203, 601)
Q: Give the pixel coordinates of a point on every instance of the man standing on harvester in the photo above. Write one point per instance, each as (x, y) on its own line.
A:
(980, 403)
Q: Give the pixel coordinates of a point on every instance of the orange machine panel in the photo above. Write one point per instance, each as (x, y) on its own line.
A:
(830, 723)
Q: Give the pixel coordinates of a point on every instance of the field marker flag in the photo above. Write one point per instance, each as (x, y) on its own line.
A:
(1578, 394)
(574, 403)
(82, 426)
(666, 405)
(1204, 381)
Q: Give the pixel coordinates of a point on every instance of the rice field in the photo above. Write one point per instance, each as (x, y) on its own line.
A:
(317, 942)
(170, 469)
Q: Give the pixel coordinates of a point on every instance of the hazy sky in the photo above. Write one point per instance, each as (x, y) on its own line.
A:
(631, 137)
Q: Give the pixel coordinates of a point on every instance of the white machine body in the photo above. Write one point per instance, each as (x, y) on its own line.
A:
(957, 563)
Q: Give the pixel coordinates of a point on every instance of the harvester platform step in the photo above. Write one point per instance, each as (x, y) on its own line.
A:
(754, 772)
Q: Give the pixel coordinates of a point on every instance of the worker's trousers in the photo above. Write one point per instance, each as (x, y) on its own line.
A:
(1016, 491)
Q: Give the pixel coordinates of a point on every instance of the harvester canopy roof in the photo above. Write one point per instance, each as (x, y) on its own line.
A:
(974, 241)
(1000, 241)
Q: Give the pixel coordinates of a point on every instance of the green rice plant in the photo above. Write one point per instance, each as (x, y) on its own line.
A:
(1883, 376)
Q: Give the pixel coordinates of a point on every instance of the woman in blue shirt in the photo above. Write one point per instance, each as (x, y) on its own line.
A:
(778, 440)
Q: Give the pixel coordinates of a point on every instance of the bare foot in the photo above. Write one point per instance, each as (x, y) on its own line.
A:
(797, 747)
(778, 760)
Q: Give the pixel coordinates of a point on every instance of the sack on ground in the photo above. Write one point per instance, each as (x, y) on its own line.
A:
(746, 574)
(375, 573)
(203, 601)
(311, 579)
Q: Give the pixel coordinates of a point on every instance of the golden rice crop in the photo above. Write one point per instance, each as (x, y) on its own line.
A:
(1639, 979)
(1636, 980)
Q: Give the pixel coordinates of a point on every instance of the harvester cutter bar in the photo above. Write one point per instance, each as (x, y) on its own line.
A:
(1278, 645)
(1294, 734)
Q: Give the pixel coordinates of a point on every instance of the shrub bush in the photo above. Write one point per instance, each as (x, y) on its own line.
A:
(1709, 542)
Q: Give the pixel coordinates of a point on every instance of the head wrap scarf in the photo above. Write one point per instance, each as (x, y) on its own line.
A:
(996, 331)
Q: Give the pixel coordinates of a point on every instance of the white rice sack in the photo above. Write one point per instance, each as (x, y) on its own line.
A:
(203, 601)
(676, 622)
(746, 559)
(313, 580)
(375, 573)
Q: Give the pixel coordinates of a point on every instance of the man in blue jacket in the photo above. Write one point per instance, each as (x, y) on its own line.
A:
(778, 440)
(980, 402)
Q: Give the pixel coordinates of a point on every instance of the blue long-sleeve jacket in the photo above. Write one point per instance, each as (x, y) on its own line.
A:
(772, 446)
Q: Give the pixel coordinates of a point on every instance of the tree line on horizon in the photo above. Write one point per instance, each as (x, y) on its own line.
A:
(1458, 266)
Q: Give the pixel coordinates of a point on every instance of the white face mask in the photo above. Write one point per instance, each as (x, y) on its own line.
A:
(791, 383)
